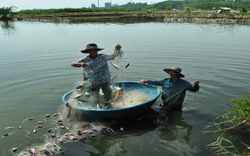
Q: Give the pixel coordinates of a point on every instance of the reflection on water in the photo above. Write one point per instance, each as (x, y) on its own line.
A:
(175, 133)
(179, 148)
(171, 124)
(8, 27)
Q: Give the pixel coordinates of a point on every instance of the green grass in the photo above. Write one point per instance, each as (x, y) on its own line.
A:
(237, 119)
(224, 146)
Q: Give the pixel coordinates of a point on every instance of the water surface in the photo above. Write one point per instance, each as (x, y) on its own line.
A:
(36, 73)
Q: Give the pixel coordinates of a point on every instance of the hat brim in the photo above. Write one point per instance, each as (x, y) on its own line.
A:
(168, 70)
(86, 50)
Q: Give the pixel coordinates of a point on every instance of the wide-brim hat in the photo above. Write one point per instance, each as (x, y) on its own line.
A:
(91, 46)
(176, 69)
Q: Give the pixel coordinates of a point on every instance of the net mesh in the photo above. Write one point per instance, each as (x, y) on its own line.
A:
(74, 127)
(85, 98)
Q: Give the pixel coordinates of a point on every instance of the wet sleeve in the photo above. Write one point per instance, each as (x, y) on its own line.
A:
(156, 82)
(193, 88)
(81, 60)
(108, 57)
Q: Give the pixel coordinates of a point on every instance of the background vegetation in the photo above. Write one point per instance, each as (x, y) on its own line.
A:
(5, 11)
(181, 5)
(241, 5)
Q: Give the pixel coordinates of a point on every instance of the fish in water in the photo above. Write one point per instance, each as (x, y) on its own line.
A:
(60, 140)
(77, 96)
(117, 93)
(79, 87)
(47, 153)
(52, 135)
(62, 127)
(33, 151)
(63, 152)
(85, 83)
(14, 149)
(84, 132)
(40, 122)
(127, 66)
(98, 107)
(52, 150)
(93, 135)
(113, 77)
(86, 94)
(114, 65)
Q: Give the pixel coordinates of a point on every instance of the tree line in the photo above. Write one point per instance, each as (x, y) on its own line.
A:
(243, 5)
(5, 11)
(195, 4)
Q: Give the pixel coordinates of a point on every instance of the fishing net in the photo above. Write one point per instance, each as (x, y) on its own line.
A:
(84, 97)
(60, 131)
(68, 125)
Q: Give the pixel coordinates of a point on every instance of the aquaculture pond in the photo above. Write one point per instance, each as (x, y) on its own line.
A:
(36, 73)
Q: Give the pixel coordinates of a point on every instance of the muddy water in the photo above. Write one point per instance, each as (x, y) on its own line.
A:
(36, 73)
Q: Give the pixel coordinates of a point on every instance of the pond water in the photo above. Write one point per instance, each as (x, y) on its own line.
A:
(36, 73)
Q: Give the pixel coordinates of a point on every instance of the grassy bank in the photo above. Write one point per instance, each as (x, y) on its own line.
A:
(91, 16)
(116, 16)
(232, 127)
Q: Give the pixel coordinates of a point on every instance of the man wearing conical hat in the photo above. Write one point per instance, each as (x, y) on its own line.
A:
(174, 88)
(98, 71)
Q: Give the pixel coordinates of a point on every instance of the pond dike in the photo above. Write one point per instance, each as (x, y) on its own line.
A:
(209, 18)
(135, 17)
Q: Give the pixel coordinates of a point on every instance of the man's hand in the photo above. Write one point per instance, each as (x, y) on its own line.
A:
(196, 82)
(79, 64)
(118, 46)
(143, 81)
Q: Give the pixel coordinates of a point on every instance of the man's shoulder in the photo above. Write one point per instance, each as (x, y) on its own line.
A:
(101, 54)
(166, 79)
(183, 81)
(85, 58)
